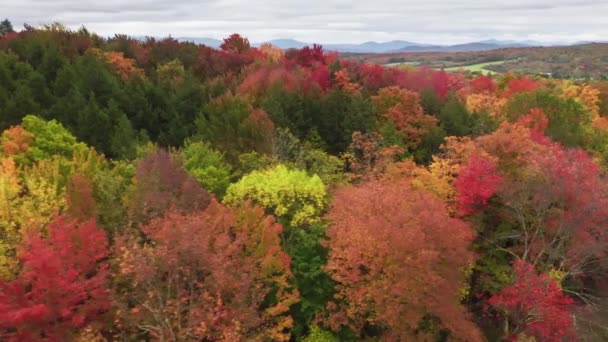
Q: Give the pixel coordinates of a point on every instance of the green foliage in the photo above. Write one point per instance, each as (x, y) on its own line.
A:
(207, 166)
(224, 123)
(454, 118)
(568, 119)
(319, 335)
(249, 162)
(340, 115)
(50, 138)
(305, 156)
(309, 257)
(291, 195)
(6, 27)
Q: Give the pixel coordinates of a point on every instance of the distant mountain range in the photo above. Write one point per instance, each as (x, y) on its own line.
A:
(392, 46)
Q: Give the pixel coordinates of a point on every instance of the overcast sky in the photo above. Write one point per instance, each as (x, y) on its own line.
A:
(327, 21)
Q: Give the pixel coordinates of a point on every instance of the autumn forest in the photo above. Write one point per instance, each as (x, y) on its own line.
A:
(158, 190)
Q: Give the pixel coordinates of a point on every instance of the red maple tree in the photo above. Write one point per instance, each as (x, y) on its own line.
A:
(535, 305)
(62, 285)
(477, 182)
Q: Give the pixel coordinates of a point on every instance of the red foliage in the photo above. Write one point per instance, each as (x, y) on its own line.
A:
(537, 122)
(520, 85)
(235, 44)
(308, 57)
(320, 75)
(555, 196)
(477, 182)
(573, 184)
(61, 287)
(7, 38)
(259, 81)
(535, 305)
(372, 76)
(396, 258)
(483, 84)
(204, 276)
(162, 183)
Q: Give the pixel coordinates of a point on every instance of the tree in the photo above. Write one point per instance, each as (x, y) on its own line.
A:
(161, 183)
(291, 195)
(6, 27)
(384, 253)
(9, 194)
(215, 274)
(61, 287)
(235, 44)
(483, 84)
(535, 305)
(208, 167)
(292, 152)
(454, 118)
(520, 85)
(231, 124)
(50, 138)
(16, 141)
(476, 183)
(568, 119)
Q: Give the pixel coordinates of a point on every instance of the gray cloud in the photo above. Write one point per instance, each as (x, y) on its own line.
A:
(327, 21)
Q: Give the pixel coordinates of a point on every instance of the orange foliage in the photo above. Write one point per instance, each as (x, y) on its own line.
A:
(389, 97)
(16, 140)
(489, 103)
(587, 96)
(368, 156)
(387, 244)
(413, 126)
(343, 81)
(125, 67)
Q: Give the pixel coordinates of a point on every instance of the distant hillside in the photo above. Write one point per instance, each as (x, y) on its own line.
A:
(576, 61)
(386, 47)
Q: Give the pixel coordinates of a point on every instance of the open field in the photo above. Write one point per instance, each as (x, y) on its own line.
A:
(578, 61)
(479, 67)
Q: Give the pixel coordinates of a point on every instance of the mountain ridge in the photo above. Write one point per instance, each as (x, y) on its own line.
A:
(392, 46)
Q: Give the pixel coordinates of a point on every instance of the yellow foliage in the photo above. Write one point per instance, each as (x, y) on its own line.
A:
(28, 204)
(273, 53)
(9, 191)
(489, 103)
(557, 275)
(290, 194)
(586, 95)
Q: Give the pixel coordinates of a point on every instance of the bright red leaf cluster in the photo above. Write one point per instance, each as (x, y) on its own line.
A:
(535, 305)
(62, 285)
(477, 182)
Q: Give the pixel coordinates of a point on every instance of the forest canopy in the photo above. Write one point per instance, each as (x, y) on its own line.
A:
(161, 190)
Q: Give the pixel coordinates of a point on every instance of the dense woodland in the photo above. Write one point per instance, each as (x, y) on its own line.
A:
(164, 191)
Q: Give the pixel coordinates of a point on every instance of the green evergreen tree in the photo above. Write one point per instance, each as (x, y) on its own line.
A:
(6, 27)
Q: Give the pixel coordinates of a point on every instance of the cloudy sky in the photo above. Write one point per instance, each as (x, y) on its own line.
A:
(327, 21)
